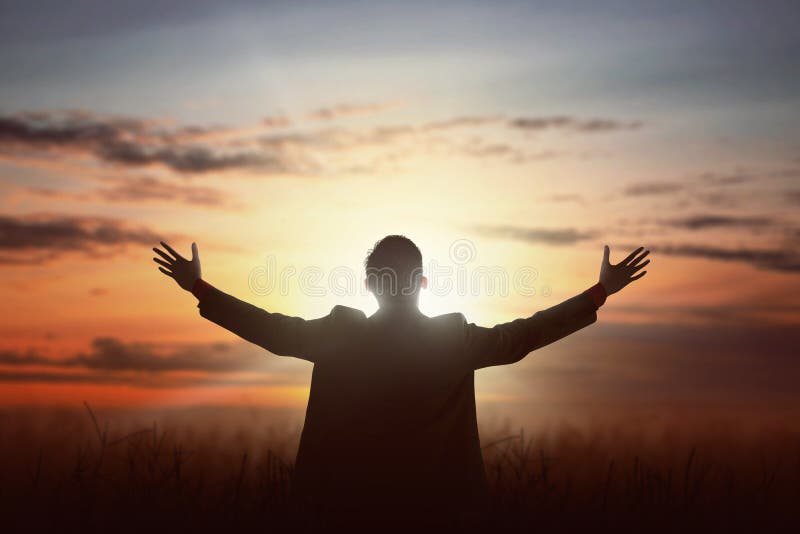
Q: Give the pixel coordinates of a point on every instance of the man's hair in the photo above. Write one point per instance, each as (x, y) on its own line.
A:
(394, 267)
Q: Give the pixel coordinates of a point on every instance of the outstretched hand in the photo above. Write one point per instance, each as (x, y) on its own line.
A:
(615, 277)
(184, 272)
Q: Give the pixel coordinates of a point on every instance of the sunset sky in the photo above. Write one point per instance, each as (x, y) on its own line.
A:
(528, 134)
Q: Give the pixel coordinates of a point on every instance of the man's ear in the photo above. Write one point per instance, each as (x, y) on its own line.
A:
(423, 283)
(366, 284)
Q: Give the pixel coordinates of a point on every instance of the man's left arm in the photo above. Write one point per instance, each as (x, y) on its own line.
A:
(280, 334)
(510, 342)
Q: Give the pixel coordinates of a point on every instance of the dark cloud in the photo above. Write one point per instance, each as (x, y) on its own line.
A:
(110, 354)
(34, 239)
(8, 357)
(656, 362)
(60, 378)
(652, 188)
(547, 236)
(702, 222)
(265, 148)
(791, 173)
(142, 189)
(72, 128)
(192, 159)
(774, 259)
(792, 196)
(195, 150)
(110, 361)
(718, 199)
(126, 141)
(733, 178)
(50, 377)
(565, 122)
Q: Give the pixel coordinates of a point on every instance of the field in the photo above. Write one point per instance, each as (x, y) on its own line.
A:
(86, 470)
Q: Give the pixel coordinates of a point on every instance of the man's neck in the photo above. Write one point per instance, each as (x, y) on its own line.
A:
(401, 307)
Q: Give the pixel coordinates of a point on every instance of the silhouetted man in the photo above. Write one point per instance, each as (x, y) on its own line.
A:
(390, 428)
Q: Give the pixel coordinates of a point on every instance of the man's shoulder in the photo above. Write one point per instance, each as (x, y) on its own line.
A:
(455, 319)
(346, 313)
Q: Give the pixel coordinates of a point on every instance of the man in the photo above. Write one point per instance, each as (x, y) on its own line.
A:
(390, 428)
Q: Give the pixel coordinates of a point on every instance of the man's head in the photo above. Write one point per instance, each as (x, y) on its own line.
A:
(394, 271)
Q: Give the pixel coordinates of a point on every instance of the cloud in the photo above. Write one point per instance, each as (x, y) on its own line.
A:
(702, 222)
(733, 178)
(50, 377)
(8, 357)
(547, 236)
(142, 189)
(565, 122)
(481, 150)
(277, 121)
(141, 381)
(717, 188)
(777, 259)
(349, 110)
(126, 141)
(147, 188)
(652, 188)
(792, 196)
(110, 361)
(656, 362)
(72, 128)
(109, 354)
(191, 159)
(458, 122)
(33, 239)
(566, 197)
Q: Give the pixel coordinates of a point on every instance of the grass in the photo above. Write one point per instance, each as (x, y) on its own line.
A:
(79, 472)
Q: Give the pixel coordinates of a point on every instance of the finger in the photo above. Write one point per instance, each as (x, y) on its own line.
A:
(639, 276)
(163, 270)
(623, 262)
(195, 253)
(606, 254)
(172, 251)
(639, 267)
(640, 258)
(162, 262)
(164, 255)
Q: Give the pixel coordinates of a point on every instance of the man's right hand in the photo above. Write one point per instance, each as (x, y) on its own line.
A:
(184, 272)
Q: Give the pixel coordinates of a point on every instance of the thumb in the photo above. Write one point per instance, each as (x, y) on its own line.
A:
(606, 253)
(194, 251)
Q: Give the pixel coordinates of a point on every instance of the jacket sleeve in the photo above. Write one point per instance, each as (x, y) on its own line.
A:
(510, 342)
(280, 334)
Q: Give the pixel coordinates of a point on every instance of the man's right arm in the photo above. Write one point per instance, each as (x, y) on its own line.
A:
(279, 334)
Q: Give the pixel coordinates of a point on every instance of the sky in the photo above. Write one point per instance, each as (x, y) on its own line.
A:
(509, 140)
